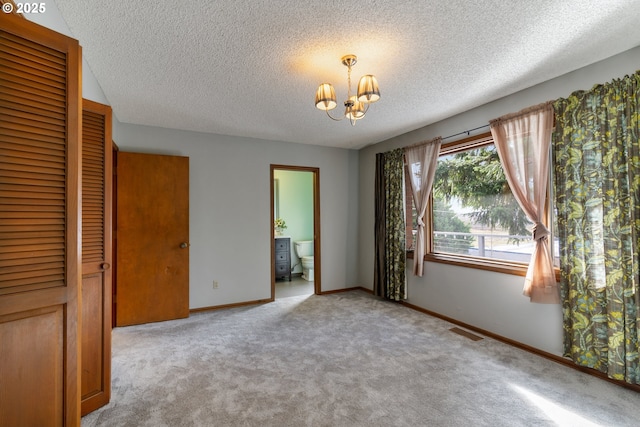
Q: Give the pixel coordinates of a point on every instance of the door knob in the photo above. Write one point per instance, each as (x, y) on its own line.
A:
(184, 245)
(105, 266)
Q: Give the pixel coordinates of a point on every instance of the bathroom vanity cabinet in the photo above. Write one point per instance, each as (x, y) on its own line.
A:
(283, 257)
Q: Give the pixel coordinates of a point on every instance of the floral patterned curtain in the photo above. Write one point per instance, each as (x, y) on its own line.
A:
(390, 261)
(597, 186)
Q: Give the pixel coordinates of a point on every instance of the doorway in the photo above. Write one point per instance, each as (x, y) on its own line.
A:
(295, 199)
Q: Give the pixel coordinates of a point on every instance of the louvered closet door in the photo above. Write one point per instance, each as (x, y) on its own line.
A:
(39, 225)
(96, 255)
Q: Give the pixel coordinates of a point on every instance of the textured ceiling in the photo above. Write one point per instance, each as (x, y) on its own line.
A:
(250, 68)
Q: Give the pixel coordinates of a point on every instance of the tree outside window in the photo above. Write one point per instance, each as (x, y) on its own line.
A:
(472, 197)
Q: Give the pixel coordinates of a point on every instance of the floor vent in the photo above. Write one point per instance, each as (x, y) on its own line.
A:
(465, 334)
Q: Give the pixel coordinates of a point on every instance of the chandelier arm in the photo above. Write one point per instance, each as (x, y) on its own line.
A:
(333, 118)
(364, 113)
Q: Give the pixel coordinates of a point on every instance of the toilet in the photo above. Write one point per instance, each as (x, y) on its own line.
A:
(304, 250)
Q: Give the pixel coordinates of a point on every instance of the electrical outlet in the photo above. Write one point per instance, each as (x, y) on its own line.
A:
(215, 284)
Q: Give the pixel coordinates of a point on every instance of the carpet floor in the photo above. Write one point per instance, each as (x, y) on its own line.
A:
(346, 359)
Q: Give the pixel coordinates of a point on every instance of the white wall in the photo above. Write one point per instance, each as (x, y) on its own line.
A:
(230, 223)
(488, 300)
(52, 19)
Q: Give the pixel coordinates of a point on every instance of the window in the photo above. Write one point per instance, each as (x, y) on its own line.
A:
(473, 218)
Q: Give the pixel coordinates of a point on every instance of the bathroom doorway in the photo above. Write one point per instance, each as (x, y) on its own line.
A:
(295, 200)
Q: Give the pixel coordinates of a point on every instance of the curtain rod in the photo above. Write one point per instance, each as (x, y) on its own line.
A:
(468, 132)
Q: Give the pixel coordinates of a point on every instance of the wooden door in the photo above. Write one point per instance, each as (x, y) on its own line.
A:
(152, 238)
(40, 113)
(96, 256)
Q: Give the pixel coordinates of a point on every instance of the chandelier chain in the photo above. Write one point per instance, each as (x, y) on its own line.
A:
(349, 82)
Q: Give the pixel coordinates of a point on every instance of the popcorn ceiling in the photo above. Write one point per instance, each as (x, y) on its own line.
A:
(251, 68)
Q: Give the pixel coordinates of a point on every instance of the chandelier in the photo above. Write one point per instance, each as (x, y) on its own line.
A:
(356, 106)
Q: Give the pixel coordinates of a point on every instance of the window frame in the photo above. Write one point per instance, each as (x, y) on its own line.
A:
(469, 261)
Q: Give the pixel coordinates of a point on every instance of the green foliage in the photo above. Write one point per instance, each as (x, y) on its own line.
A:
(445, 219)
(476, 178)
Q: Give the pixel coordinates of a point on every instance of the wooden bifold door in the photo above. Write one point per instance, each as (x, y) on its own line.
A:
(40, 114)
(96, 256)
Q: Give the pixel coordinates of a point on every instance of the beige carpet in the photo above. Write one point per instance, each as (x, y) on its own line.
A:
(345, 359)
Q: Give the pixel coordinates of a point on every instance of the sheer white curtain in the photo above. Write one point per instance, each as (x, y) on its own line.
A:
(523, 141)
(421, 162)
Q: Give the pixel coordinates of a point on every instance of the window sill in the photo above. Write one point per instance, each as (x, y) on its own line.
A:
(505, 267)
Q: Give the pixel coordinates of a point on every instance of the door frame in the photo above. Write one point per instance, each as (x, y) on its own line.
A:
(317, 271)
(114, 230)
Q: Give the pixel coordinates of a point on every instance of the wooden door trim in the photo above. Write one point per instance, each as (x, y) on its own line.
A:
(74, 234)
(114, 231)
(317, 269)
(74, 254)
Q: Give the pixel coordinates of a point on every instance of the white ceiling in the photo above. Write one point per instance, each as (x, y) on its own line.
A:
(250, 68)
